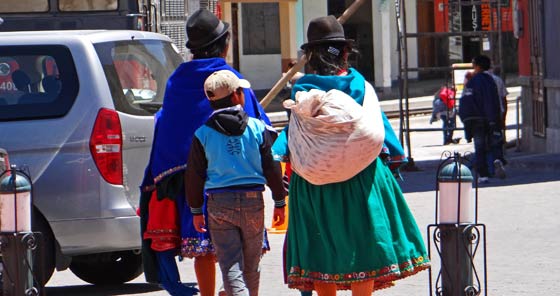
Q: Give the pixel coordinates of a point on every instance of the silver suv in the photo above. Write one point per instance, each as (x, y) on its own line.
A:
(76, 110)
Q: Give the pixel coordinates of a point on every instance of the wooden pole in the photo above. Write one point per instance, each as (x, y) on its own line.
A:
(301, 62)
(280, 84)
(350, 11)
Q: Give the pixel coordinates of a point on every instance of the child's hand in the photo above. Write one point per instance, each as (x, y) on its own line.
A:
(278, 215)
(199, 223)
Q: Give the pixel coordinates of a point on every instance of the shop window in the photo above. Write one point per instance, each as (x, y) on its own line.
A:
(261, 28)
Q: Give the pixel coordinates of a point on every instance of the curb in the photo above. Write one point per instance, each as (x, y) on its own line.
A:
(542, 162)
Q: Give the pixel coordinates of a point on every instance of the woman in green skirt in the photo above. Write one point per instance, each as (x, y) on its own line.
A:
(357, 234)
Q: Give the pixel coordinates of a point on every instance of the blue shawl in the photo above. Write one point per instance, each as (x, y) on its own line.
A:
(185, 109)
(353, 85)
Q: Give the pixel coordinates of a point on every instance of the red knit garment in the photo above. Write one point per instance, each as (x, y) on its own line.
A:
(447, 95)
(163, 224)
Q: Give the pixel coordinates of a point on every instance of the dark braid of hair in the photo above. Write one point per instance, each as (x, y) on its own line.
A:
(213, 50)
(324, 61)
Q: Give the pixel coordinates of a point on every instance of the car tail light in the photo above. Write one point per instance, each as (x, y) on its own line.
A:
(106, 146)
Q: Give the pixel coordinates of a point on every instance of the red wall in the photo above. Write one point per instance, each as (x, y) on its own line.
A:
(524, 49)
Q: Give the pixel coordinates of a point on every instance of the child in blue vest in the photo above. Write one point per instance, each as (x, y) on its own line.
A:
(231, 158)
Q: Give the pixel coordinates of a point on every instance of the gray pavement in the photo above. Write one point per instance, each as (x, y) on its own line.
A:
(521, 214)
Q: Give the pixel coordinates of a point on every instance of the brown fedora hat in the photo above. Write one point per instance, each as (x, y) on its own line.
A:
(203, 28)
(325, 29)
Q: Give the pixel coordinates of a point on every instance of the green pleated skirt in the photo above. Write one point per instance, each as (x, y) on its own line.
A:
(356, 230)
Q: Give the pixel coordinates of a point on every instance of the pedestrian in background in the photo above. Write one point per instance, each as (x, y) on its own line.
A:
(231, 159)
(502, 92)
(357, 234)
(443, 108)
(185, 109)
(468, 76)
(479, 110)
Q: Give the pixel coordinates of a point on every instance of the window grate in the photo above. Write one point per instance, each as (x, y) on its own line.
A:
(173, 10)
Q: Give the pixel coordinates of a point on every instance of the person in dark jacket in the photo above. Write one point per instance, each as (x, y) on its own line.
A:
(231, 159)
(479, 110)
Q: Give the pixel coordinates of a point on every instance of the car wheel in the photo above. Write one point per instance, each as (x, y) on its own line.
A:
(47, 244)
(107, 268)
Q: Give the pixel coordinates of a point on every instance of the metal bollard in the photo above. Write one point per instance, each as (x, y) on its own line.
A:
(19, 247)
(456, 234)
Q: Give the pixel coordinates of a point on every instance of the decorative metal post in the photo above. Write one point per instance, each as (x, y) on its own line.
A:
(19, 250)
(456, 234)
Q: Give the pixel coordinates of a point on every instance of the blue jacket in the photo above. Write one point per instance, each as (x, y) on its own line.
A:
(480, 100)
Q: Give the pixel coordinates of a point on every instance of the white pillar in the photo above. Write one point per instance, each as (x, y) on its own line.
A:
(412, 27)
(382, 44)
(288, 33)
(312, 9)
(227, 17)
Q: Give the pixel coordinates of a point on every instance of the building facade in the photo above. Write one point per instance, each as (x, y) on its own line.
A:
(539, 74)
(269, 34)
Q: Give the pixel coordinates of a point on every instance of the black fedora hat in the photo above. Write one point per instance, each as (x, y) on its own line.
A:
(325, 29)
(203, 28)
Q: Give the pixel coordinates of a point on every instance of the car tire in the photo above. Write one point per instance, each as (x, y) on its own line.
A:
(40, 224)
(108, 268)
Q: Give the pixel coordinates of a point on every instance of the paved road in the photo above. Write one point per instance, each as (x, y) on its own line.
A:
(520, 213)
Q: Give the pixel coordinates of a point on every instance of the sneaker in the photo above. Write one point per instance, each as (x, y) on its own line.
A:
(483, 180)
(499, 170)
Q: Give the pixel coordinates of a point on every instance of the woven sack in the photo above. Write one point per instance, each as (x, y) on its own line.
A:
(331, 137)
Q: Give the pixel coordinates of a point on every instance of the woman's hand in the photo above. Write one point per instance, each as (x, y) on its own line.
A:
(279, 215)
(199, 223)
(294, 78)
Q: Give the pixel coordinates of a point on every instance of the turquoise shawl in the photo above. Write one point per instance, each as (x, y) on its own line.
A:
(353, 84)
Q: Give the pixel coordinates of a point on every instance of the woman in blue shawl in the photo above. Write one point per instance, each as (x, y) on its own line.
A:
(358, 234)
(166, 219)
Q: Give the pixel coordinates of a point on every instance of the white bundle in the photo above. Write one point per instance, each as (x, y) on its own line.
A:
(331, 137)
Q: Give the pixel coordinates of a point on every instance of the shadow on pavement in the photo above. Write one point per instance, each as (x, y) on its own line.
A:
(91, 290)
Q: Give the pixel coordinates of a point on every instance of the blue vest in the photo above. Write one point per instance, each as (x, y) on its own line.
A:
(233, 160)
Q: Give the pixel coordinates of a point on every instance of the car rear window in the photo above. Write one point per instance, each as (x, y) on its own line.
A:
(10, 6)
(137, 72)
(36, 82)
(91, 5)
